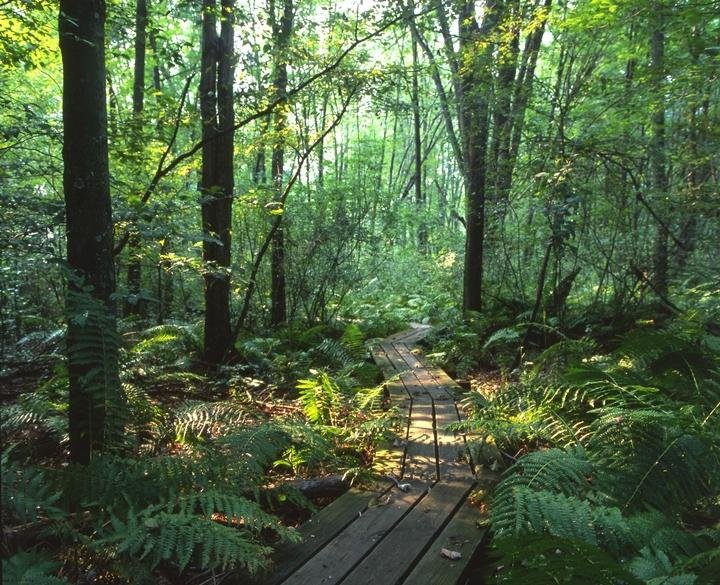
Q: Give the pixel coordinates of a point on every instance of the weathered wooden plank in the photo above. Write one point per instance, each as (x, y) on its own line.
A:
(463, 535)
(350, 543)
(437, 390)
(341, 554)
(451, 448)
(394, 357)
(421, 453)
(398, 552)
(382, 360)
(446, 381)
(412, 335)
(317, 532)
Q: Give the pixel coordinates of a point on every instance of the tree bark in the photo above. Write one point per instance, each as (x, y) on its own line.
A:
(475, 85)
(94, 382)
(281, 30)
(216, 106)
(658, 158)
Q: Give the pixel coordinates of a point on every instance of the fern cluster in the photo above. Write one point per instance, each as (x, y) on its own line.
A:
(190, 484)
(203, 507)
(628, 460)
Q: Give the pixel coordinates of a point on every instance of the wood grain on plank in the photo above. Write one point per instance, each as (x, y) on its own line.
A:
(452, 461)
(348, 548)
(463, 534)
(397, 553)
(317, 532)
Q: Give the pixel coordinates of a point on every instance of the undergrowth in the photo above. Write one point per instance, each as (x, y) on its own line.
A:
(197, 480)
(612, 461)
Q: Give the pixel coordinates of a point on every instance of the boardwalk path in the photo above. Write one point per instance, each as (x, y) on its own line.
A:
(395, 536)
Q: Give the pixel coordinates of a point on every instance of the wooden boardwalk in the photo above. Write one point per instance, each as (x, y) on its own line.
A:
(396, 535)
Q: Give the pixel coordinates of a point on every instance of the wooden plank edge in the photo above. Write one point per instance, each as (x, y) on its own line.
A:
(316, 533)
(462, 534)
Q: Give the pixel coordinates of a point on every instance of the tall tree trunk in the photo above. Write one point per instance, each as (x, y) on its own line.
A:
(422, 236)
(503, 114)
(94, 381)
(166, 281)
(523, 88)
(133, 304)
(281, 30)
(475, 82)
(216, 106)
(658, 157)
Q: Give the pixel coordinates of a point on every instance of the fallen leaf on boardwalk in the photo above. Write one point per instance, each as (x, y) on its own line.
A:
(453, 555)
(382, 501)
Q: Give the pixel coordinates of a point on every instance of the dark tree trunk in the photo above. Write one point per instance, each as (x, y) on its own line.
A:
(658, 158)
(281, 31)
(133, 305)
(216, 105)
(94, 384)
(475, 85)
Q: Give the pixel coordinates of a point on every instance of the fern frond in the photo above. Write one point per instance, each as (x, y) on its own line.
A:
(195, 419)
(160, 535)
(545, 559)
(27, 492)
(168, 337)
(370, 399)
(353, 339)
(655, 568)
(658, 532)
(521, 510)
(563, 471)
(658, 458)
(320, 398)
(31, 568)
(93, 351)
(561, 354)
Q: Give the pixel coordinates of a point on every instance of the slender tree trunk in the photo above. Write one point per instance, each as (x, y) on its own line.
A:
(503, 115)
(523, 89)
(282, 29)
(89, 228)
(445, 105)
(133, 305)
(216, 105)
(422, 236)
(658, 158)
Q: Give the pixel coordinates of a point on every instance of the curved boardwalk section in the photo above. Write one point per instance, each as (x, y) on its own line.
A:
(396, 535)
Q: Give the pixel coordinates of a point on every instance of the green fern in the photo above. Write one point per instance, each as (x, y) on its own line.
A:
(549, 560)
(168, 341)
(655, 568)
(31, 568)
(194, 420)
(186, 529)
(658, 458)
(520, 510)
(636, 439)
(564, 471)
(26, 492)
(46, 407)
(92, 348)
(320, 398)
(202, 507)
